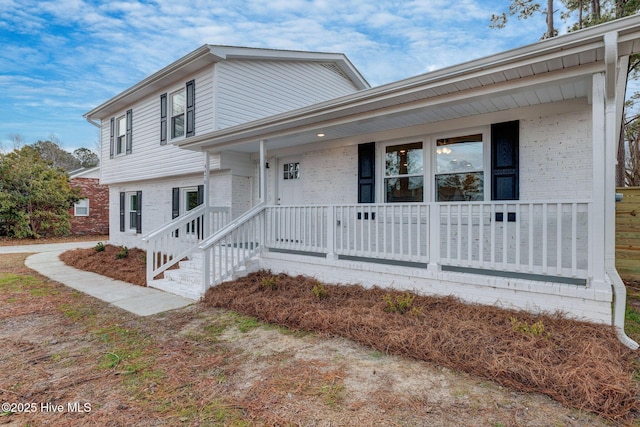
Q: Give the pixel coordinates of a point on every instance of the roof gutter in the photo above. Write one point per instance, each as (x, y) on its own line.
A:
(96, 124)
(169, 69)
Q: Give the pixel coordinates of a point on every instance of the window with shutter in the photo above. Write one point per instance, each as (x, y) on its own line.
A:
(180, 112)
(459, 169)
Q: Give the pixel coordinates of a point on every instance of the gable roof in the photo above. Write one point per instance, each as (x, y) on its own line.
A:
(93, 172)
(555, 69)
(210, 54)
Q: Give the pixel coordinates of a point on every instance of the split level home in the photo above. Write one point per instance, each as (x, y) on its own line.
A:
(491, 181)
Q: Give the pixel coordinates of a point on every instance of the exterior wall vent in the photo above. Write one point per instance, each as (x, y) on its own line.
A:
(334, 68)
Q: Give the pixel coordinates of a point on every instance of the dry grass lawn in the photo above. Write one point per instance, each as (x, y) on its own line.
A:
(581, 365)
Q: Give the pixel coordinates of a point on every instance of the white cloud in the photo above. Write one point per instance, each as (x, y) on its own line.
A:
(60, 58)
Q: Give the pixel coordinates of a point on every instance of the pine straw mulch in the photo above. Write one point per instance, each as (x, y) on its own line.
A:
(131, 269)
(579, 364)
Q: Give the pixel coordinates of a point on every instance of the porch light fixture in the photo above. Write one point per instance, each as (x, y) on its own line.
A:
(320, 135)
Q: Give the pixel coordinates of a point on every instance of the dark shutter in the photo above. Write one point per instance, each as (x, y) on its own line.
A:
(175, 202)
(505, 161)
(122, 211)
(129, 131)
(139, 212)
(191, 108)
(366, 172)
(163, 119)
(111, 141)
(200, 194)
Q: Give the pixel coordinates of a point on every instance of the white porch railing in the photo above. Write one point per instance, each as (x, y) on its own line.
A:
(537, 238)
(542, 238)
(392, 231)
(174, 241)
(230, 247)
(547, 238)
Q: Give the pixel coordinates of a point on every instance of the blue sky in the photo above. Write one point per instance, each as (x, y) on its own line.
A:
(61, 58)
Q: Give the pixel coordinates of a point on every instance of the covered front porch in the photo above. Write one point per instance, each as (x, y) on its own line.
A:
(524, 255)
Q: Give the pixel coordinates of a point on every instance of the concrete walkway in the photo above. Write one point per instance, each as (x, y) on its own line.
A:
(135, 299)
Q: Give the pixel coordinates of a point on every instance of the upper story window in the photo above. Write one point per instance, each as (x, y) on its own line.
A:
(177, 113)
(459, 168)
(404, 173)
(178, 109)
(121, 134)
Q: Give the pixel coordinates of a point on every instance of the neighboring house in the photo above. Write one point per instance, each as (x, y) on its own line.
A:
(90, 215)
(492, 181)
(152, 181)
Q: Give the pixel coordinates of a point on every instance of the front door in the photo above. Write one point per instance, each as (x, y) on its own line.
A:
(290, 181)
(190, 201)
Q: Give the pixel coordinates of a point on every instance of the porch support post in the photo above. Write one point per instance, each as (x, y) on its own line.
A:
(207, 186)
(434, 237)
(616, 78)
(263, 172)
(206, 259)
(331, 233)
(611, 144)
(597, 219)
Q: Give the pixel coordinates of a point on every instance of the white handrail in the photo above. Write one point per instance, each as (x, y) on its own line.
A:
(229, 257)
(220, 234)
(182, 219)
(179, 238)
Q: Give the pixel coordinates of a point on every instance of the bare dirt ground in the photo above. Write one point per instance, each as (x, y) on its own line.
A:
(71, 360)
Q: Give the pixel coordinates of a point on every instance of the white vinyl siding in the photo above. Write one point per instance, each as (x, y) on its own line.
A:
(150, 159)
(250, 90)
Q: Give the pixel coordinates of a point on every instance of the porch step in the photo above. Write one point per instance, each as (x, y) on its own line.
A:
(177, 288)
(186, 280)
(184, 276)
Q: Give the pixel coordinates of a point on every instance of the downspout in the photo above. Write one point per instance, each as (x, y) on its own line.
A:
(615, 85)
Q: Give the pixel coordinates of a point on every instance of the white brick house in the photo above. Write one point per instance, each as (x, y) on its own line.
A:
(492, 181)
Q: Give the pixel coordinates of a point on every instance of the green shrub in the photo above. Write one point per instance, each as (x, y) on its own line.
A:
(270, 282)
(99, 247)
(401, 304)
(535, 329)
(122, 253)
(319, 291)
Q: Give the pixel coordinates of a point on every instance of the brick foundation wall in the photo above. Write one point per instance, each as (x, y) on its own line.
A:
(98, 220)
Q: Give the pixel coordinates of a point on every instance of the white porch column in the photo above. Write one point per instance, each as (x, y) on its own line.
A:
(206, 256)
(597, 220)
(263, 194)
(263, 173)
(207, 187)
